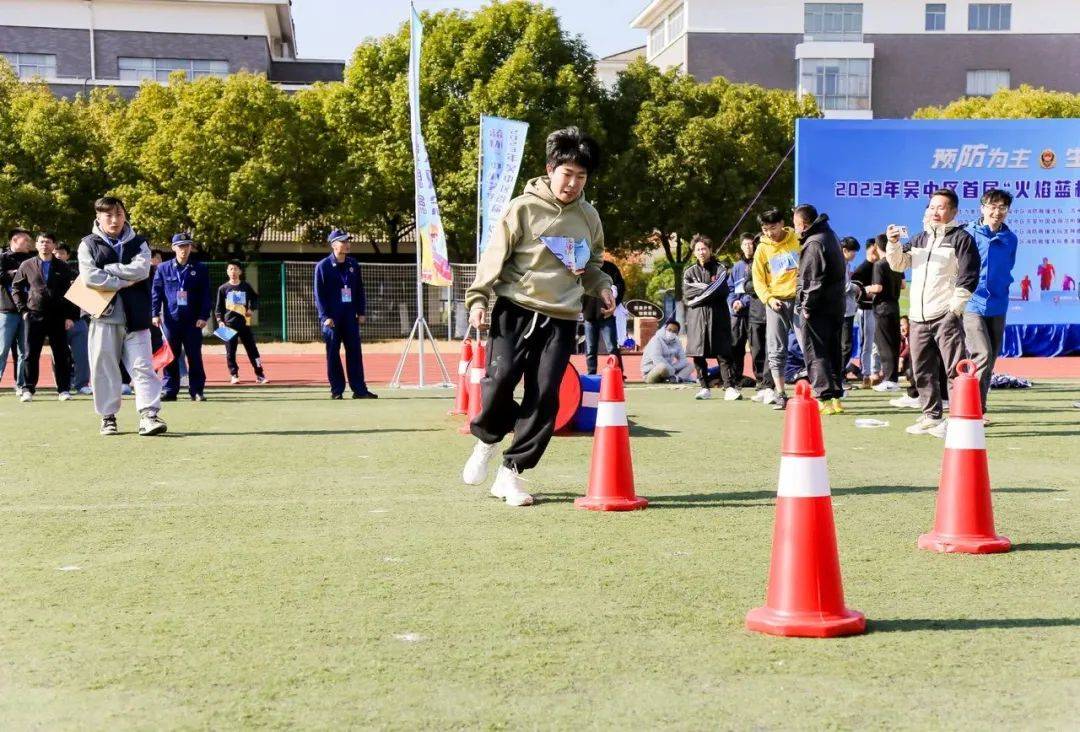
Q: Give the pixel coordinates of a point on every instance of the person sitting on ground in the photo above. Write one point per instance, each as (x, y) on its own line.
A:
(664, 359)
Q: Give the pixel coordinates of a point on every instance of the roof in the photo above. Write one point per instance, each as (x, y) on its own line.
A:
(627, 55)
(653, 12)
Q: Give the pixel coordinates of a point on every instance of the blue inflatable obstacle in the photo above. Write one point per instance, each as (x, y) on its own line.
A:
(585, 417)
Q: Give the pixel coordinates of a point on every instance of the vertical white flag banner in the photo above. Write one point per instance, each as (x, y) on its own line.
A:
(502, 144)
(430, 236)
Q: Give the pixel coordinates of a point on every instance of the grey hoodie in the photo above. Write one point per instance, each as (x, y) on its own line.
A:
(113, 277)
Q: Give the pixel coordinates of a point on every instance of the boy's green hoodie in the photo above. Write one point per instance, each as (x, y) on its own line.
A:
(518, 265)
(776, 267)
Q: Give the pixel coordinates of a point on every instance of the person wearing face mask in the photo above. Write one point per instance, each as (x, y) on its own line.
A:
(984, 316)
(664, 359)
(708, 323)
(944, 264)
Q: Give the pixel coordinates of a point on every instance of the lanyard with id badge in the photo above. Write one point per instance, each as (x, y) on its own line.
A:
(346, 290)
(181, 292)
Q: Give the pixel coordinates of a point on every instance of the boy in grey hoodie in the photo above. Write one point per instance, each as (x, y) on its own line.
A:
(544, 256)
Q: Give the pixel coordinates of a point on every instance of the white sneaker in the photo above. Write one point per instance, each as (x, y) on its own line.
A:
(939, 430)
(261, 380)
(923, 425)
(86, 391)
(476, 467)
(887, 386)
(234, 379)
(905, 402)
(731, 394)
(126, 390)
(703, 394)
(768, 396)
(18, 391)
(508, 485)
(758, 395)
(64, 396)
(26, 396)
(945, 405)
(183, 382)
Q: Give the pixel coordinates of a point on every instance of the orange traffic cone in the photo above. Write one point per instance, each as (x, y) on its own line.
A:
(965, 512)
(805, 596)
(476, 373)
(611, 475)
(461, 396)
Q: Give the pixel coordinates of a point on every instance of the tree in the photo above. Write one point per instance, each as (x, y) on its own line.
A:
(216, 157)
(509, 59)
(688, 157)
(1025, 102)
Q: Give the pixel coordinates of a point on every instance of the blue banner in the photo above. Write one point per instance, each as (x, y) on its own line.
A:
(502, 144)
(867, 174)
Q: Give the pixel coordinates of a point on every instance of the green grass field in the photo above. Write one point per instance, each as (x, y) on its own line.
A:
(281, 560)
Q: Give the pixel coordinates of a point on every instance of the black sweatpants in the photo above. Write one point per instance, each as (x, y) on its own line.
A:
(821, 349)
(740, 334)
(759, 356)
(846, 344)
(245, 336)
(887, 340)
(522, 343)
(727, 378)
(37, 330)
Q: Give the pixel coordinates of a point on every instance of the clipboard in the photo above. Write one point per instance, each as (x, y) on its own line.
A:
(93, 302)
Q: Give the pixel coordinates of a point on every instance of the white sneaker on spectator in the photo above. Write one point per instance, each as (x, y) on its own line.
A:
(261, 380)
(905, 402)
(703, 394)
(183, 382)
(945, 405)
(939, 429)
(887, 386)
(234, 379)
(508, 486)
(64, 396)
(758, 395)
(476, 467)
(923, 425)
(18, 391)
(86, 391)
(731, 394)
(768, 396)
(26, 396)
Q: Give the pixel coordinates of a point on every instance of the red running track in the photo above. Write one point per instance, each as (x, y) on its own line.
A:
(309, 369)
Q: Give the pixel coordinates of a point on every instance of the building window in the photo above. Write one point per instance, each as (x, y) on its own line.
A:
(833, 22)
(657, 38)
(838, 83)
(158, 69)
(676, 22)
(935, 16)
(990, 16)
(667, 30)
(984, 82)
(29, 65)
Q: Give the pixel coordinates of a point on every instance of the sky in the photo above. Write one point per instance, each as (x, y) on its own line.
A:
(331, 29)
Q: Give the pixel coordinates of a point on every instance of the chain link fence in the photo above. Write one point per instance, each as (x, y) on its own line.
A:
(287, 301)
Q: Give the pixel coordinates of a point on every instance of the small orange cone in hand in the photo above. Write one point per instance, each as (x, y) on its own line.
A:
(476, 374)
(461, 397)
(965, 513)
(805, 596)
(611, 474)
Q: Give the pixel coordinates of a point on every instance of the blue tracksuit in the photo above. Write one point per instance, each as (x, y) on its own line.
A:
(339, 296)
(997, 257)
(180, 297)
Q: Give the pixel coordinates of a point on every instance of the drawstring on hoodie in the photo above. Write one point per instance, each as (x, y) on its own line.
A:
(532, 325)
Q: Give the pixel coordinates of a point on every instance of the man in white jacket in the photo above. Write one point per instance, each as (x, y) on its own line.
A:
(944, 263)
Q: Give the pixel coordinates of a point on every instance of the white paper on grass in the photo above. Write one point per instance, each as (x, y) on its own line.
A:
(870, 424)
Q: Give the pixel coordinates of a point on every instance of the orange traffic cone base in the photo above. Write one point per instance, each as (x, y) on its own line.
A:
(946, 544)
(602, 503)
(805, 625)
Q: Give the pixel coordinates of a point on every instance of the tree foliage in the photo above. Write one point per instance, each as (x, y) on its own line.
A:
(1022, 103)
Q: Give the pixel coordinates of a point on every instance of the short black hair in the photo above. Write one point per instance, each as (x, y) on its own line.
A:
(235, 263)
(109, 203)
(881, 241)
(948, 193)
(47, 235)
(871, 242)
(703, 238)
(571, 145)
(996, 195)
(770, 216)
(806, 212)
(19, 230)
(61, 247)
(850, 243)
(673, 322)
(747, 235)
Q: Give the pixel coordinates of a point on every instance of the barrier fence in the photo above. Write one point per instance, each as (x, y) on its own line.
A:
(287, 301)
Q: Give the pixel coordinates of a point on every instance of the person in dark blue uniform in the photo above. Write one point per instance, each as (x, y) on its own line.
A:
(339, 299)
(181, 307)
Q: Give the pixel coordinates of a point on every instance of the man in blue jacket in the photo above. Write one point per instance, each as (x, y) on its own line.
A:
(181, 307)
(739, 306)
(984, 317)
(339, 299)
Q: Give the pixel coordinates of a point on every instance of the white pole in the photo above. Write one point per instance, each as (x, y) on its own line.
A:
(479, 186)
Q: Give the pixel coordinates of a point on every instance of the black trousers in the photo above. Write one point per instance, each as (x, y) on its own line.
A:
(740, 334)
(245, 336)
(523, 344)
(846, 344)
(887, 340)
(758, 356)
(821, 349)
(727, 378)
(37, 330)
